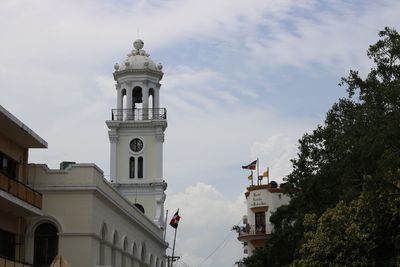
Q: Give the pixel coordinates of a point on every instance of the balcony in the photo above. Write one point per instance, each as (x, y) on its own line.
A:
(138, 114)
(21, 199)
(12, 263)
(254, 232)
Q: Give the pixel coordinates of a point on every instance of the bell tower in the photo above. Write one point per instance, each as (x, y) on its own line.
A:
(136, 133)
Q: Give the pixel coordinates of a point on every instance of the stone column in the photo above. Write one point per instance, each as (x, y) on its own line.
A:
(156, 98)
(145, 99)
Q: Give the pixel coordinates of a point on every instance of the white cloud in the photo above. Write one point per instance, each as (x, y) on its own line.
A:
(276, 151)
(336, 37)
(207, 218)
(106, 84)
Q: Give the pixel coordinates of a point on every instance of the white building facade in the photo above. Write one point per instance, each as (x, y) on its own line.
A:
(86, 220)
(136, 133)
(262, 200)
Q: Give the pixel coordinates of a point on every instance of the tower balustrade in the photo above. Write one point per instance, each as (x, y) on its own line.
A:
(138, 114)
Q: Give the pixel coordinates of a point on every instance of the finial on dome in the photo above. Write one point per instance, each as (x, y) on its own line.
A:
(138, 44)
(116, 66)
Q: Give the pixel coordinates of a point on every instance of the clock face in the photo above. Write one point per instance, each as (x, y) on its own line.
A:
(136, 145)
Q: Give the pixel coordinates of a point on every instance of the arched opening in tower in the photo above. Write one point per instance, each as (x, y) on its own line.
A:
(151, 103)
(137, 97)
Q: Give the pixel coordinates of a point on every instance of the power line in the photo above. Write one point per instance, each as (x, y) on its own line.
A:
(181, 262)
(221, 245)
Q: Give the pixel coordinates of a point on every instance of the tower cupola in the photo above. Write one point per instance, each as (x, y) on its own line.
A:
(138, 85)
(138, 60)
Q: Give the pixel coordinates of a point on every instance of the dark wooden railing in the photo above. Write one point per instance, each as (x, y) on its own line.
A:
(4, 262)
(139, 114)
(21, 191)
(255, 230)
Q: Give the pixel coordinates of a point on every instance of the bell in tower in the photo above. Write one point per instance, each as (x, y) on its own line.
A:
(136, 133)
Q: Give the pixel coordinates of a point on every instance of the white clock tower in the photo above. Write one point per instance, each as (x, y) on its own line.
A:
(136, 132)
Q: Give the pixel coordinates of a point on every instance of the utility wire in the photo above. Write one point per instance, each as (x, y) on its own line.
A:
(221, 245)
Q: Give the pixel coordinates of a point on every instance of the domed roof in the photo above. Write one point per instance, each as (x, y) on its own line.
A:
(138, 59)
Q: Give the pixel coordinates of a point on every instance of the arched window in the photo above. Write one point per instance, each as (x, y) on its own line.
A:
(136, 97)
(134, 254)
(103, 245)
(131, 167)
(45, 244)
(140, 207)
(140, 167)
(114, 249)
(125, 247)
(151, 260)
(143, 253)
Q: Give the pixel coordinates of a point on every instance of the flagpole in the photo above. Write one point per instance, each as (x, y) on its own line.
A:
(258, 172)
(173, 248)
(252, 178)
(165, 225)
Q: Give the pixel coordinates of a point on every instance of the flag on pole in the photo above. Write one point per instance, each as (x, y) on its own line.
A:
(175, 220)
(251, 166)
(250, 177)
(266, 173)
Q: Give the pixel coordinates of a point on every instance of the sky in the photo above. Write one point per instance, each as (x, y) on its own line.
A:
(242, 79)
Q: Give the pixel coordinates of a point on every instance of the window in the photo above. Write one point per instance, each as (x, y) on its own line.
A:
(260, 222)
(114, 249)
(45, 244)
(124, 257)
(140, 207)
(140, 167)
(7, 244)
(131, 167)
(103, 245)
(8, 166)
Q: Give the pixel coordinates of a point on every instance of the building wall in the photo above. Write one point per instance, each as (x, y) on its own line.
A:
(80, 202)
(8, 222)
(152, 153)
(11, 149)
(261, 198)
(148, 202)
(17, 153)
(264, 198)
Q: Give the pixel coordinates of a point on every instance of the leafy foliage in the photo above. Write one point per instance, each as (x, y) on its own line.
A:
(345, 183)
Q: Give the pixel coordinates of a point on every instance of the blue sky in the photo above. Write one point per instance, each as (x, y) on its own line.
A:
(243, 79)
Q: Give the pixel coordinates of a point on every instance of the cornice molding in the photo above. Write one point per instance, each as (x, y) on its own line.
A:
(137, 124)
(139, 188)
(150, 72)
(160, 137)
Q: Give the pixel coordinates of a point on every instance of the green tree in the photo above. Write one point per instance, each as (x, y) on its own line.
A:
(350, 163)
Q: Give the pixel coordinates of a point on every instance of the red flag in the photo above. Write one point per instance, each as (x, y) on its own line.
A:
(175, 220)
(251, 166)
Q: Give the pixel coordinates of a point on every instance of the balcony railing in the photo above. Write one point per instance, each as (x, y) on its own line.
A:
(21, 191)
(12, 263)
(249, 230)
(138, 114)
